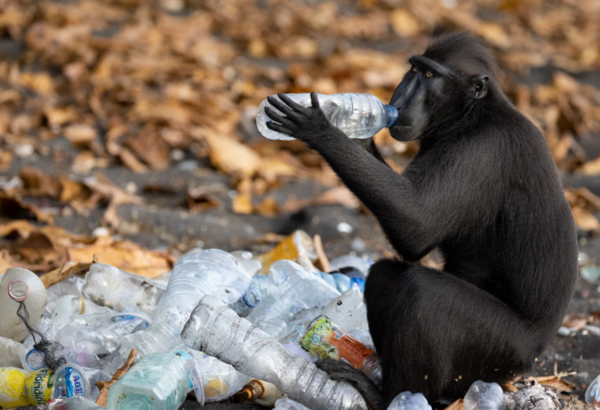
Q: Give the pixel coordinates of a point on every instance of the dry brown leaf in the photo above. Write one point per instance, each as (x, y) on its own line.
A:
(39, 183)
(404, 23)
(336, 196)
(577, 320)
(231, 156)
(13, 208)
(556, 382)
(267, 207)
(81, 134)
(124, 255)
(68, 269)
(105, 386)
(585, 219)
(116, 195)
(151, 148)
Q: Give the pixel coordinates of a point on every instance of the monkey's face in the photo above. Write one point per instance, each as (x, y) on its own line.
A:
(417, 99)
(429, 94)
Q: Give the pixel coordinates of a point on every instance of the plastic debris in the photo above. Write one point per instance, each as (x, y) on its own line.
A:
(410, 401)
(593, 391)
(17, 285)
(357, 115)
(220, 332)
(485, 396)
(108, 286)
(157, 382)
(90, 327)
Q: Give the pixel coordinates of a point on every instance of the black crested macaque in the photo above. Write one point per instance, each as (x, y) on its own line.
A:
(483, 190)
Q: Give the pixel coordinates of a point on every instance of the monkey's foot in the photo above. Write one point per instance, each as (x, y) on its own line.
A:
(338, 370)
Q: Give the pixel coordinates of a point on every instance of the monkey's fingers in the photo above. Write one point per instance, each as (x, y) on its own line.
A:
(295, 106)
(278, 118)
(290, 113)
(314, 99)
(273, 126)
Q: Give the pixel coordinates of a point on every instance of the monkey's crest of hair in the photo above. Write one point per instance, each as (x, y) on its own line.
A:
(465, 51)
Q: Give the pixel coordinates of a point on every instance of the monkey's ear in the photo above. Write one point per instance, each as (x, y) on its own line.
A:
(479, 86)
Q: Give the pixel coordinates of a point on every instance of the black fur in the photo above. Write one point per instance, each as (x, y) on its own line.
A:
(483, 190)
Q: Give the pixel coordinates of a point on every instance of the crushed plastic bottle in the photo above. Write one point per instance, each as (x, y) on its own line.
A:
(289, 404)
(157, 382)
(356, 115)
(122, 291)
(25, 285)
(593, 391)
(218, 331)
(298, 243)
(409, 401)
(293, 289)
(351, 265)
(247, 260)
(485, 396)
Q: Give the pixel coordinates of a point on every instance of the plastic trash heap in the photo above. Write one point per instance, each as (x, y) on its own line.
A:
(217, 330)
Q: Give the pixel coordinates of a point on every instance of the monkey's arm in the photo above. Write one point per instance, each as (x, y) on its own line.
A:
(368, 144)
(415, 216)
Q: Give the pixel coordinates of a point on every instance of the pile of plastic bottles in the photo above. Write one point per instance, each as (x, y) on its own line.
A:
(219, 326)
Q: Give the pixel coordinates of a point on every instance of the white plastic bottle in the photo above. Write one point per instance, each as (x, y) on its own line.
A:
(218, 331)
(356, 115)
(485, 396)
(20, 284)
(409, 401)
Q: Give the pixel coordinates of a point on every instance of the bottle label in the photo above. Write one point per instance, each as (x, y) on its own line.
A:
(326, 340)
(38, 386)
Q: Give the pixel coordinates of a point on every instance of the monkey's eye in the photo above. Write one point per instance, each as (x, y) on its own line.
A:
(428, 74)
(414, 69)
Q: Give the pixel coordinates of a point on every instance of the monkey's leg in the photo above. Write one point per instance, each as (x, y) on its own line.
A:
(436, 334)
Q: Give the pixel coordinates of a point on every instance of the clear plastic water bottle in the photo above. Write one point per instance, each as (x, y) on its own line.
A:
(108, 286)
(69, 286)
(593, 391)
(293, 289)
(409, 401)
(356, 115)
(485, 396)
(249, 301)
(220, 332)
(70, 307)
(157, 382)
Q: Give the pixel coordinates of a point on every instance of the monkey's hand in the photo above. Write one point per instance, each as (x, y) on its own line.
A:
(307, 124)
(339, 370)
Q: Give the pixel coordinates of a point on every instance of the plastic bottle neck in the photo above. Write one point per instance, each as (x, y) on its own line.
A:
(392, 114)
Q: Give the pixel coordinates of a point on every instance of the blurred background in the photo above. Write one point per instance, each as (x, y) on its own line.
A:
(127, 128)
